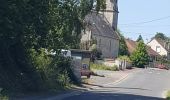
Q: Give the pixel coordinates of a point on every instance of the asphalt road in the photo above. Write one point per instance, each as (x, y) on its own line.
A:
(146, 84)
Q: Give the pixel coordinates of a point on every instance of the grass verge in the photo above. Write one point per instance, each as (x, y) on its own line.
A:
(103, 67)
(168, 95)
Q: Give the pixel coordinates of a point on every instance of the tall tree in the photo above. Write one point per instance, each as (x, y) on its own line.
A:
(29, 26)
(160, 36)
(123, 50)
(139, 38)
(140, 56)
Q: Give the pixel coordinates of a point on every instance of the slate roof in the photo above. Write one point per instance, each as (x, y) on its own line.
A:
(99, 26)
(133, 44)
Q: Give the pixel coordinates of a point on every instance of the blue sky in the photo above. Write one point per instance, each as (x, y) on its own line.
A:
(145, 17)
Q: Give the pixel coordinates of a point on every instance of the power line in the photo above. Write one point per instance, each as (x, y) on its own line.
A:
(147, 26)
(144, 22)
(139, 33)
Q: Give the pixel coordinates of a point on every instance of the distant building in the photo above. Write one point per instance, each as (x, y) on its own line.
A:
(133, 44)
(160, 46)
(102, 28)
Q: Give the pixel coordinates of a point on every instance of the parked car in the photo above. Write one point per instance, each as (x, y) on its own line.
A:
(162, 66)
(85, 71)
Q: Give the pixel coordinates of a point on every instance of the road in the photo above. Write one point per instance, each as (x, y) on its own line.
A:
(146, 84)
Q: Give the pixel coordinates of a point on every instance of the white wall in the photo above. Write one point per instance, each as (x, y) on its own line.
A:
(153, 44)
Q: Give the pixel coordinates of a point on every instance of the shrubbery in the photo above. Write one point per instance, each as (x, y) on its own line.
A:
(55, 70)
(3, 95)
(28, 26)
(168, 95)
(140, 56)
(126, 58)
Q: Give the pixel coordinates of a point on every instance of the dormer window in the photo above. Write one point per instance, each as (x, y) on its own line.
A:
(158, 49)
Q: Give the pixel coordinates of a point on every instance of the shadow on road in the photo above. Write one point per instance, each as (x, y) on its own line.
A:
(110, 96)
(116, 87)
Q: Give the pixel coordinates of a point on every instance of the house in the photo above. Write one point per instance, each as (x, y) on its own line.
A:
(102, 28)
(160, 46)
(133, 44)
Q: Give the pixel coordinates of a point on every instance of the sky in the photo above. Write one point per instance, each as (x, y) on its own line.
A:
(145, 17)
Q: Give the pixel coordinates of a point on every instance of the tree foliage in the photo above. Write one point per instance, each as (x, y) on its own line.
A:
(27, 28)
(123, 49)
(139, 38)
(140, 56)
(160, 36)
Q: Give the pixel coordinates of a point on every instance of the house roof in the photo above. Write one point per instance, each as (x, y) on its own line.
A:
(97, 24)
(162, 43)
(133, 44)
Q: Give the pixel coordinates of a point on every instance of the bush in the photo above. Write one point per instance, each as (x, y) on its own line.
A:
(55, 71)
(97, 53)
(168, 95)
(140, 56)
(126, 58)
(3, 95)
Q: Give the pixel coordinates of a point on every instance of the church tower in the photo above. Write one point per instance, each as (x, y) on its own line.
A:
(111, 13)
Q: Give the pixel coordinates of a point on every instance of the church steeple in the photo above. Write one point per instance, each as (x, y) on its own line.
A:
(111, 12)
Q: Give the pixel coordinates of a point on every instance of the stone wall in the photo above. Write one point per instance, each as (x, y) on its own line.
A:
(108, 46)
(111, 13)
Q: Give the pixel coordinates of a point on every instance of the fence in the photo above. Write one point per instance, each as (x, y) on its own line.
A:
(157, 64)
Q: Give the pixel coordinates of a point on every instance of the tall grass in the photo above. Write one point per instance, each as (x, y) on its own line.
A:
(168, 95)
(103, 67)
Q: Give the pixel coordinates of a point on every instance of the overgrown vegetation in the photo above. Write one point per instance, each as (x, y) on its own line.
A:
(103, 67)
(126, 58)
(3, 95)
(123, 49)
(96, 53)
(140, 56)
(27, 29)
(168, 95)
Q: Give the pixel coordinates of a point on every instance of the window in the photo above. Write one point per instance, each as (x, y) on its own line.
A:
(158, 49)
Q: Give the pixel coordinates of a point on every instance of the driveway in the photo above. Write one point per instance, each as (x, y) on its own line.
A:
(146, 84)
(105, 78)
